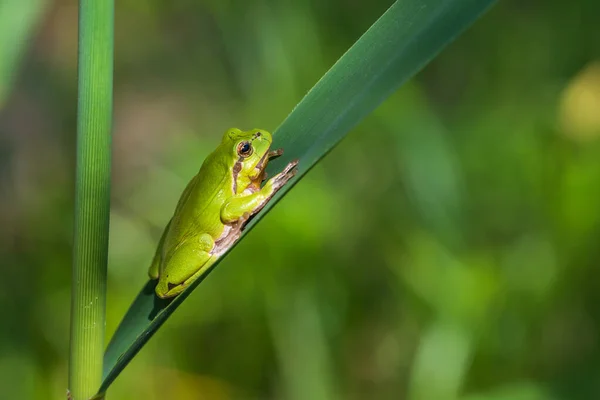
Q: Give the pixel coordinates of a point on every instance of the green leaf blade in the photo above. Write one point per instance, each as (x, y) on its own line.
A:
(398, 45)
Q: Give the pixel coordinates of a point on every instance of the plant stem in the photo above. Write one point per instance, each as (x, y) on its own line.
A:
(92, 196)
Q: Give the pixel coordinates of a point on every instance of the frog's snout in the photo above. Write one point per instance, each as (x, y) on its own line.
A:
(260, 135)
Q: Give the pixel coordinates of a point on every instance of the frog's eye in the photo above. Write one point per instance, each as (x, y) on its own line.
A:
(244, 149)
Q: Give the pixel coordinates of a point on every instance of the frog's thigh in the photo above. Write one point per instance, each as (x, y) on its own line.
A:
(154, 270)
(188, 259)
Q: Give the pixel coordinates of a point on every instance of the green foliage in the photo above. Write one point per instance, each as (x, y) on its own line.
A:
(447, 245)
(373, 68)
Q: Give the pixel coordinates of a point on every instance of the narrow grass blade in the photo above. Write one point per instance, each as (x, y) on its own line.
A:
(401, 42)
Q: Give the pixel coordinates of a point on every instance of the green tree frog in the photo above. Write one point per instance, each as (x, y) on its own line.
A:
(214, 207)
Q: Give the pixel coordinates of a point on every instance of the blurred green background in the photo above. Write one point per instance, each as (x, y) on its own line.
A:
(448, 248)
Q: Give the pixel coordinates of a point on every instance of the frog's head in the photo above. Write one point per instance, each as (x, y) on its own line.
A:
(250, 150)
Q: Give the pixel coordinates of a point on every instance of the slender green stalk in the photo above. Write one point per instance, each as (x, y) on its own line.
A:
(92, 196)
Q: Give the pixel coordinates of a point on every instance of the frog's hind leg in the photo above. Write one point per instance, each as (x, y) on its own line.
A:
(210, 261)
(183, 266)
(154, 270)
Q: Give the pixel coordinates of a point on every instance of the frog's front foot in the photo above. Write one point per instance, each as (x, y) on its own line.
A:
(288, 173)
(275, 153)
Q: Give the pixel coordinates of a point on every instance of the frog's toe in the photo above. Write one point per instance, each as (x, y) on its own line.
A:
(291, 167)
(162, 289)
(165, 289)
(290, 170)
(275, 153)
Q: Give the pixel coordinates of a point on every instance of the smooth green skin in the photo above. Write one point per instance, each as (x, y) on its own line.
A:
(214, 207)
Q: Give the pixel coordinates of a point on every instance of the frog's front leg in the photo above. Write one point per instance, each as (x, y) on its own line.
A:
(244, 205)
(184, 265)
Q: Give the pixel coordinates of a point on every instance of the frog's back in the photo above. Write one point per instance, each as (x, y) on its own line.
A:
(198, 209)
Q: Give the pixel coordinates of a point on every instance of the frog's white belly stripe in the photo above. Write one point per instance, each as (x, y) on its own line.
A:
(231, 233)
